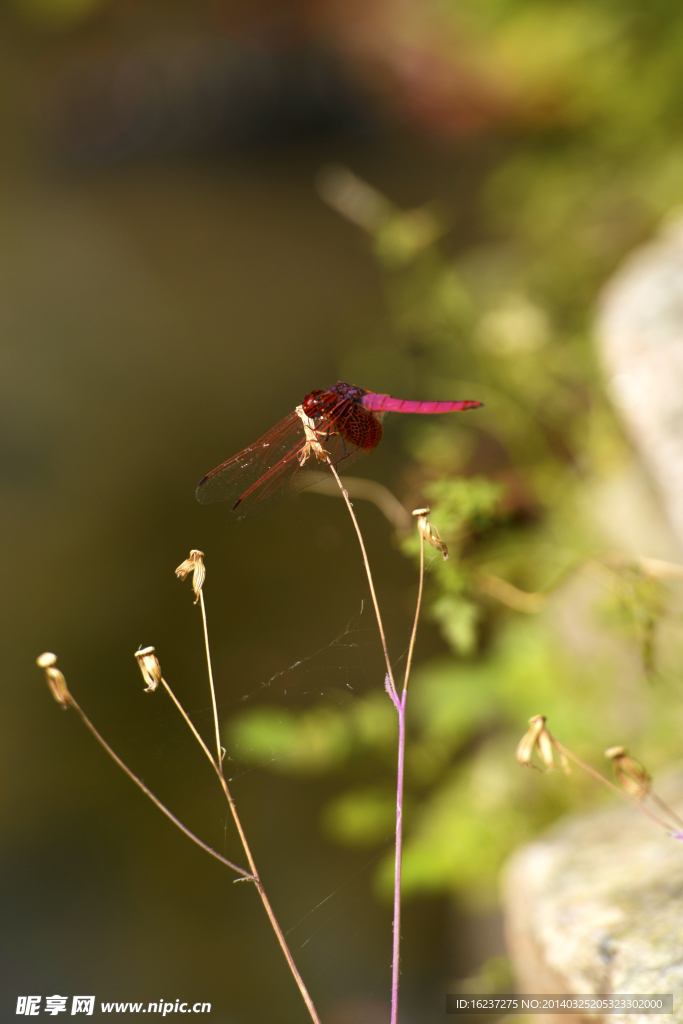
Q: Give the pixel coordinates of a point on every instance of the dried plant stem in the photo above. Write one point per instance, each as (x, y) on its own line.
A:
(601, 778)
(655, 567)
(189, 722)
(218, 768)
(266, 902)
(508, 594)
(413, 635)
(138, 782)
(219, 749)
(368, 573)
(399, 703)
(665, 807)
(605, 568)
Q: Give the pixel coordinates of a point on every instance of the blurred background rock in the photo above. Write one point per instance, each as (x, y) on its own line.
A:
(184, 256)
(591, 907)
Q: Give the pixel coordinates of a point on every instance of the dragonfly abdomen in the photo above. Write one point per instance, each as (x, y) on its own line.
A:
(385, 403)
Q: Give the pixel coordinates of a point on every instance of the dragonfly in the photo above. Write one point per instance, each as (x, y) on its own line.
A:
(337, 426)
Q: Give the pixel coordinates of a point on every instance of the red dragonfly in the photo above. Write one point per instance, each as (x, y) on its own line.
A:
(342, 424)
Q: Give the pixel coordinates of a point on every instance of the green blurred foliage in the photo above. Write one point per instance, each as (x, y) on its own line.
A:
(361, 816)
(535, 616)
(315, 740)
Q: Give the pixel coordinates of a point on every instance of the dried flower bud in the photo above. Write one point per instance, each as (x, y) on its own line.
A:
(195, 565)
(55, 679)
(429, 532)
(150, 668)
(312, 444)
(631, 774)
(538, 737)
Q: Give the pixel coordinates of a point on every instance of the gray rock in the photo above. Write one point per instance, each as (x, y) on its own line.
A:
(640, 335)
(596, 906)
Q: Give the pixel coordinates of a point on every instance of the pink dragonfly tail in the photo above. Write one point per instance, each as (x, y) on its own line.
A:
(385, 403)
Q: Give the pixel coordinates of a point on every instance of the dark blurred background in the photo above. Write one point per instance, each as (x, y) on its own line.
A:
(179, 268)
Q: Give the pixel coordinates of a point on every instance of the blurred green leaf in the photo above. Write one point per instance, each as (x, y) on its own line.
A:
(315, 741)
(361, 817)
(458, 620)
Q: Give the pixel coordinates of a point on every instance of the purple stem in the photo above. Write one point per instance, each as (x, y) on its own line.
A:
(400, 705)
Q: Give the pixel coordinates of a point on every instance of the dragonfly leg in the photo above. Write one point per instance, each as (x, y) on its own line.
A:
(345, 451)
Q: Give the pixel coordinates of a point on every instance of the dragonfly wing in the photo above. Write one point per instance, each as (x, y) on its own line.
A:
(270, 469)
(269, 458)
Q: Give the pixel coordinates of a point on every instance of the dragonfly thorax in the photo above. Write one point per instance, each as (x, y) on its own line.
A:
(326, 403)
(340, 410)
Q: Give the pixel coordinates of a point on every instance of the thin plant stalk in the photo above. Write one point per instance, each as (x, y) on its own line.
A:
(266, 904)
(218, 768)
(601, 778)
(219, 749)
(189, 722)
(399, 703)
(140, 784)
(413, 635)
(665, 807)
(368, 572)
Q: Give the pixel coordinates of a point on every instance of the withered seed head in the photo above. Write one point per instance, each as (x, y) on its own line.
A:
(429, 532)
(631, 774)
(312, 445)
(55, 679)
(195, 565)
(532, 739)
(150, 668)
(537, 737)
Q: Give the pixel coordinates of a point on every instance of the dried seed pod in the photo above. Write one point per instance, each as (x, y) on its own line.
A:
(150, 668)
(632, 775)
(312, 445)
(195, 565)
(429, 532)
(538, 737)
(55, 679)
